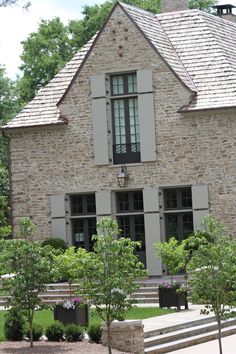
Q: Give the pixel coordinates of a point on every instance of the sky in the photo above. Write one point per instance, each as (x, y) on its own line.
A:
(16, 24)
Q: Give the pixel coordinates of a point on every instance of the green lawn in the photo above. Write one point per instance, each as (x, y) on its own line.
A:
(45, 317)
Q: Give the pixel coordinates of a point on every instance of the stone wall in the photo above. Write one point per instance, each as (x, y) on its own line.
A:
(196, 148)
(126, 336)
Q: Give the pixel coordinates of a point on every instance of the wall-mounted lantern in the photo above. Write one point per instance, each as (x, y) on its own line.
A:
(122, 177)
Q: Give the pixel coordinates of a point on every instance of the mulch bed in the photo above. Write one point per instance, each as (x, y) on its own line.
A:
(54, 348)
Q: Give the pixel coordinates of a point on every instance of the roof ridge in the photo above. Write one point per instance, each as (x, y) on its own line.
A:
(124, 4)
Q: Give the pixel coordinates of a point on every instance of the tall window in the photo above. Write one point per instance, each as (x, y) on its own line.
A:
(126, 147)
(178, 212)
(130, 217)
(83, 220)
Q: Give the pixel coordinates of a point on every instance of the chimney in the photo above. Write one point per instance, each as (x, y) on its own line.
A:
(225, 11)
(174, 5)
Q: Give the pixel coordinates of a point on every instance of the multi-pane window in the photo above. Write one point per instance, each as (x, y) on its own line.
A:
(83, 220)
(178, 213)
(130, 217)
(126, 147)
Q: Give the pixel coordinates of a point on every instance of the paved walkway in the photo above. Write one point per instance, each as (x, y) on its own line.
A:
(174, 319)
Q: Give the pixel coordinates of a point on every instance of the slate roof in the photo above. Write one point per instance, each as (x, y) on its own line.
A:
(199, 48)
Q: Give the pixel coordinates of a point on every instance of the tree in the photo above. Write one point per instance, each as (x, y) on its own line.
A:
(69, 264)
(5, 3)
(109, 274)
(204, 5)
(33, 269)
(212, 276)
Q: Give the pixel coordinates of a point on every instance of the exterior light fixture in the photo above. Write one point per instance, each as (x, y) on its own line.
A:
(122, 177)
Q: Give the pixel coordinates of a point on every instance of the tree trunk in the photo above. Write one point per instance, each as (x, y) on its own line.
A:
(109, 338)
(31, 332)
(219, 335)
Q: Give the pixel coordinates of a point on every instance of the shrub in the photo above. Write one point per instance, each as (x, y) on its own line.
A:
(56, 242)
(14, 324)
(95, 333)
(74, 333)
(55, 331)
(37, 331)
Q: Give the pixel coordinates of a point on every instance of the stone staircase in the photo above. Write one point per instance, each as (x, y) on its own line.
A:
(168, 339)
(146, 294)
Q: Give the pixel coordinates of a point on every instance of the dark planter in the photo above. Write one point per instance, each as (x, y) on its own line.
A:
(171, 298)
(78, 315)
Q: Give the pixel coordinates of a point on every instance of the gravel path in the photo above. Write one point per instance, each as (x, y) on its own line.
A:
(54, 348)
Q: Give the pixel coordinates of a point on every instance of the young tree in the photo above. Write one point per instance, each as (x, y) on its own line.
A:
(69, 265)
(109, 274)
(212, 276)
(33, 268)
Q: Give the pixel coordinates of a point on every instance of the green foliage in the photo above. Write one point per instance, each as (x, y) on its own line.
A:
(109, 273)
(33, 269)
(14, 324)
(95, 333)
(55, 331)
(55, 242)
(26, 229)
(212, 275)
(37, 331)
(69, 264)
(73, 333)
(204, 5)
(172, 254)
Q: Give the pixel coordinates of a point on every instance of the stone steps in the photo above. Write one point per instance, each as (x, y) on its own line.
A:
(166, 340)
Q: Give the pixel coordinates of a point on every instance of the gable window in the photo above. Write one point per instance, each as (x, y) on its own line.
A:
(83, 220)
(178, 213)
(130, 217)
(125, 118)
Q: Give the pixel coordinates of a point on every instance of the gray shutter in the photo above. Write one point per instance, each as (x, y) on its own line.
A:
(58, 216)
(152, 229)
(99, 119)
(146, 115)
(200, 205)
(103, 203)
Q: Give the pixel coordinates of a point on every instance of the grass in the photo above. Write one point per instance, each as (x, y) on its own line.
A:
(45, 317)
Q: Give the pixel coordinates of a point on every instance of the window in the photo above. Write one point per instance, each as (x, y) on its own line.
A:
(130, 217)
(178, 214)
(83, 220)
(125, 118)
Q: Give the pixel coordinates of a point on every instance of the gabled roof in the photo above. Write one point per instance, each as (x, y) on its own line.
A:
(199, 48)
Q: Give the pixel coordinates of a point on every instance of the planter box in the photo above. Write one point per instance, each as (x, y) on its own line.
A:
(78, 315)
(170, 298)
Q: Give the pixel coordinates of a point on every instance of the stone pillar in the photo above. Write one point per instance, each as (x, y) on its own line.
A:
(174, 5)
(126, 336)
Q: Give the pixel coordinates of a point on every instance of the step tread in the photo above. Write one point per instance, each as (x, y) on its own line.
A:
(181, 343)
(188, 331)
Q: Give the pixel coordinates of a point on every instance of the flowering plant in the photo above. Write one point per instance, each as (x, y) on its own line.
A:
(173, 285)
(72, 302)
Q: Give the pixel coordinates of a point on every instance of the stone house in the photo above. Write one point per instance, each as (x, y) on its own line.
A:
(150, 99)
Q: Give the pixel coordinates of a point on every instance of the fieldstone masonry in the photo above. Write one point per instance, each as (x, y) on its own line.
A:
(174, 5)
(126, 336)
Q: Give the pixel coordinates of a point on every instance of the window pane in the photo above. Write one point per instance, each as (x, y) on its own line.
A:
(138, 201)
(91, 231)
(172, 225)
(132, 83)
(120, 131)
(117, 85)
(76, 205)
(187, 224)
(124, 225)
(134, 124)
(78, 232)
(170, 197)
(91, 204)
(186, 198)
(123, 202)
(139, 233)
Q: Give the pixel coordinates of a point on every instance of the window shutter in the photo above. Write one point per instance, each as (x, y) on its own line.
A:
(152, 228)
(58, 216)
(146, 115)
(99, 119)
(200, 205)
(103, 203)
